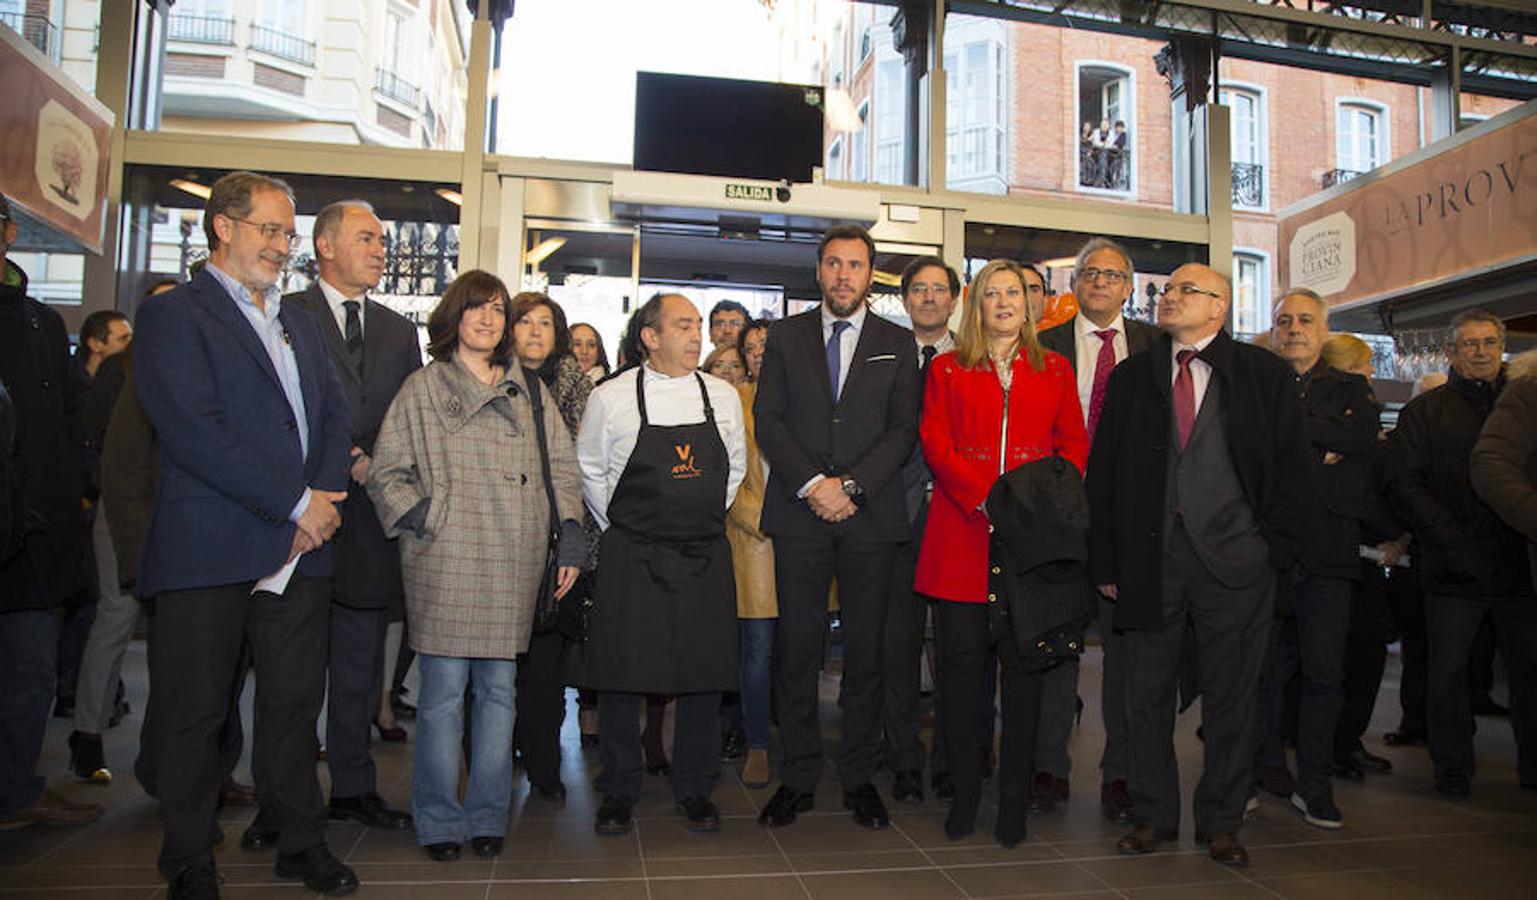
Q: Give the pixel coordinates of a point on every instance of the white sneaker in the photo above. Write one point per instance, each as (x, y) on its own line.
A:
(1321, 814)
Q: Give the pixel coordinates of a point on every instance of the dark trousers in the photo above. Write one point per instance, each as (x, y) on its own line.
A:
(28, 641)
(804, 569)
(74, 632)
(1406, 602)
(964, 655)
(1366, 654)
(939, 756)
(695, 744)
(1232, 626)
(231, 736)
(905, 618)
(356, 670)
(1453, 622)
(196, 641)
(1115, 696)
(1059, 707)
(1321, 606)
(541, 705)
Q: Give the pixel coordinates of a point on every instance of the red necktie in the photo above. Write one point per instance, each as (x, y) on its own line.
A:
(1184, 397)
(1102, 366)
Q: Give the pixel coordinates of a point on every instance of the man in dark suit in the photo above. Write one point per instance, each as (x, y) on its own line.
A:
(837, 414)
(373, 349)
(253, 439)
(1095, 341)
(1198, 486)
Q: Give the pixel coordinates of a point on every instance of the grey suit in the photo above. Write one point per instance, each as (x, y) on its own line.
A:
(1059, 690)
(367, 584)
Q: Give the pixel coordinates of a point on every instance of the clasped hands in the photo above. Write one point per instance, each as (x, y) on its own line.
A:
(318, 522)
(828, 500)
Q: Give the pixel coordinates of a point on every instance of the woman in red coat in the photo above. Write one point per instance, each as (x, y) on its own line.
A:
(998, 401)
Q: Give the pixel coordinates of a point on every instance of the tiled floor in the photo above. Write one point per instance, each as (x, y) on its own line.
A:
(1401, 841)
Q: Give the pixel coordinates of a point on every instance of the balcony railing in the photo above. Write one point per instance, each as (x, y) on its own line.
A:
(1248, 185)
(396, 88)
(283, 45)
(36, 30)
(1339, 176)
(1106, 168)
(201, 30)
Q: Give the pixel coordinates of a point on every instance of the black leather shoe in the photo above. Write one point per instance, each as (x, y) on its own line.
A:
(613, 816)
(486, 847)
(195, 883)
(783, 807)
(1454, 783)
(943, 785)
(1348, 770)
(907, 786)
(553, 794)
(700, 814)
(733, 745)
(1370, 762)
(1404, 737)
(86, 758)
(370, 810)
(867, 807)
(448, 851)
(319, 870)
(261, 835)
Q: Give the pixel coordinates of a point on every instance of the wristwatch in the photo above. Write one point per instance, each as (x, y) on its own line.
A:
(852, 489)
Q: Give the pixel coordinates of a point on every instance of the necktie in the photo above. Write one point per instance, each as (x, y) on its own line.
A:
(835, 357)
(1184, 397)
(1103, 364)
(354, 335)
(928, 353)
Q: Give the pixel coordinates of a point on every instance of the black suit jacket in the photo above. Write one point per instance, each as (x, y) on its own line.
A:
(367, 563)
(868, 434)
(1062, 338)
(1341, 417)
(1128, 466)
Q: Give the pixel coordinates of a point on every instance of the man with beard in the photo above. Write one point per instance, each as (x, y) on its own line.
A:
(837, 414)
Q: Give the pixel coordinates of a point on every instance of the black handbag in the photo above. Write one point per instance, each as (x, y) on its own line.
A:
(569, 614)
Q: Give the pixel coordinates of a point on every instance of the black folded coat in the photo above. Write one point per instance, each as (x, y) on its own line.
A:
(1038, 580)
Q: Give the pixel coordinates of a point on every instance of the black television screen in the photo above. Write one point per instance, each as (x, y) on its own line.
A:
(726, 127)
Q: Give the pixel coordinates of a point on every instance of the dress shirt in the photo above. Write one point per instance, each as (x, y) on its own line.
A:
(945, 344)
(611, 424)
(335, 299)
(1088, 354)
(274, 339)
(1200, 369)
(846, 342)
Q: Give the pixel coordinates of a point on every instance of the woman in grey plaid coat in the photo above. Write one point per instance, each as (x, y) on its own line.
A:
(456, 475)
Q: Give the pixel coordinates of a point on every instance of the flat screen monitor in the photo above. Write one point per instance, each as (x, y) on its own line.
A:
(727, 127)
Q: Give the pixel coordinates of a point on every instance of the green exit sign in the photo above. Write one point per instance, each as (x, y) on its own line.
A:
(749, 192)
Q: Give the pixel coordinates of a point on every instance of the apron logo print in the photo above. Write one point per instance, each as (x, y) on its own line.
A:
(685, 468)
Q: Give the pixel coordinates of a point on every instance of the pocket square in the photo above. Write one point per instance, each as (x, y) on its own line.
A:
(884, 357)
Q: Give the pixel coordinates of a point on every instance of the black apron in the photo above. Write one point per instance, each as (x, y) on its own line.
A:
(665, 602)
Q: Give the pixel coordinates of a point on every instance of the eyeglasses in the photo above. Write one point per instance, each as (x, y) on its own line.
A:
(928, 290)
(1473, 344)
(1111, 276)
(1186, 290)
(270, 231)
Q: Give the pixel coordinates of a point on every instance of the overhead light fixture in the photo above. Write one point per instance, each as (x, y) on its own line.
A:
(1061, 262)
(886, 278)
(451, 195)
(543, 251)
(192, 187)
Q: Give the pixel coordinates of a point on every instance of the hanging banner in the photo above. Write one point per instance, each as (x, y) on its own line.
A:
(1464, 204)
(54, 142)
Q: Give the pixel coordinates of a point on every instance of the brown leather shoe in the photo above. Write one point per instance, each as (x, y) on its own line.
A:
(233, 793)
(1144, 839)
(1225, 849)
(51, 809)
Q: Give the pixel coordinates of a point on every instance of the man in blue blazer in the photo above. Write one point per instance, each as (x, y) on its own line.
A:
(254, 440)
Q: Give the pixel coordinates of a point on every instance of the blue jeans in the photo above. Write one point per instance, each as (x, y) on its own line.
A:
(757, 636)
(440, 817)
(27, 644)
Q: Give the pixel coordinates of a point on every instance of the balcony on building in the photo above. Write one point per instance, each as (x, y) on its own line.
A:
(1339, 176)
(1248, 185)
(36, 30)
(282, 45)
(201, 30)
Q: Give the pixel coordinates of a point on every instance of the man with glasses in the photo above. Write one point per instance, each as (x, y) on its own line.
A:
(929, 291)
(254, 437)
(727, 318)
(1471, 562)
(1096, 340)
(1198, 486)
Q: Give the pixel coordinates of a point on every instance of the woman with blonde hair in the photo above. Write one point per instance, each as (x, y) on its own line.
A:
(1348, 353)
(998, 401)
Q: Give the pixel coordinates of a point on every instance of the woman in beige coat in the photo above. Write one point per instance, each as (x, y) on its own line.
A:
(456, 475)
(752, 559)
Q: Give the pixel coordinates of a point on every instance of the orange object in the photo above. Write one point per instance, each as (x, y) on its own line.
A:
(1059, 309)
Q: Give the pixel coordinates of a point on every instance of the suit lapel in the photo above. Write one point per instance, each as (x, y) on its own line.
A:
(314, 302)
(817, 348)
(223, 307)
(308, 360)
(862, 348)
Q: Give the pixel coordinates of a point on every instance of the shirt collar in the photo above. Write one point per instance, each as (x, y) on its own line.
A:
(336, 298)
(272, 298)
(856, 319)
(945, 344)
(654, 375)
(1198, 346)
(1087, 328)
